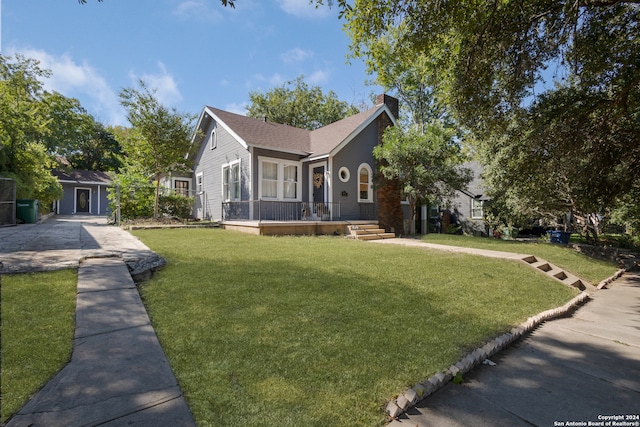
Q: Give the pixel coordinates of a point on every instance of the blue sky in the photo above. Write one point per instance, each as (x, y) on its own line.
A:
(194, 52)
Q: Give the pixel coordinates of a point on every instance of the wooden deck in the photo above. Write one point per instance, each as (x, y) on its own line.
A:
(298, 228)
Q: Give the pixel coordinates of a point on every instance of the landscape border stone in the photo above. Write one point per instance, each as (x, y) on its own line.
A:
(400, 405)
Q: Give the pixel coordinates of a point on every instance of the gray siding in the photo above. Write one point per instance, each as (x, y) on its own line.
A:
(209, 163)
(358, 151)
(98, 199)
(462, 203)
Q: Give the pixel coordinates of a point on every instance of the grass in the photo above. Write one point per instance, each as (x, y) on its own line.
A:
(320, 331)
(590, 269)
(38, 313)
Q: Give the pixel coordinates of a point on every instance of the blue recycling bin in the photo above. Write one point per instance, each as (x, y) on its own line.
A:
(559, 237)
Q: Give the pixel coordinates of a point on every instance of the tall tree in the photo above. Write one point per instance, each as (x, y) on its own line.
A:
(426, 160)
(298, 105)
(408, 75)
(23, 156)
(492, 57)
(75, 135)
(160, 139)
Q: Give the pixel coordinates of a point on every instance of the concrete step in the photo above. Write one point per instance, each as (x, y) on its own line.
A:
(368, 237)
(555, 272)
(367, 231)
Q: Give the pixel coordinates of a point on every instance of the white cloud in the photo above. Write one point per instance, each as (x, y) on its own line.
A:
(81, 81)
(318, 77)
(199, 10)
(296, 55)
(164, 85)
(304, 9)
(276, 80)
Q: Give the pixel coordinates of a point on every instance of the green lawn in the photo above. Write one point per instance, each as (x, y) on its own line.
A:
(319, 331)
(38, 313)
(590, 269)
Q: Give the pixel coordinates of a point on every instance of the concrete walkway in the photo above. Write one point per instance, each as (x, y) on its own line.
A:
(578, 369)
(118, 373)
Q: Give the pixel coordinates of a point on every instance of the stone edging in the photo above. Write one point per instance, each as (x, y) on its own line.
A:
(409, 398)
(607, 281)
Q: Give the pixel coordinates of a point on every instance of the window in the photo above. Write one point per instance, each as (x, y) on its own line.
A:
(365, 192)
(181, 187)
(269, 180)
(344, 174)
(279, 179)
(290, 185)
(231, 181)
(200, 183)
(213, 139)
(477, 208)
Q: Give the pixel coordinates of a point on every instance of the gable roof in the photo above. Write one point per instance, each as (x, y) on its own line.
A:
(326, 140)
(263, 134)
(82, 176)
(331, 138)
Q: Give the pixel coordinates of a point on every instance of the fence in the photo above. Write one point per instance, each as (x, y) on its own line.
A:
(7, 202)
(263, 210)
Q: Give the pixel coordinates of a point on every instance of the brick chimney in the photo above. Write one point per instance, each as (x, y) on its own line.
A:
(390, 215)
(391, 102)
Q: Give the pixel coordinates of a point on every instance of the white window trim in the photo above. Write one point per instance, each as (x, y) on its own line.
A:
(173, 184)
(230, 165)
(346, 172)
(200, 182)
(213, 138)
(280, 186)
(481, 208)
(370, 189)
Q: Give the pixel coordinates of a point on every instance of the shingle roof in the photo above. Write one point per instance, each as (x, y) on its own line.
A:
(325, 139)
(82, 176)
(260, 133)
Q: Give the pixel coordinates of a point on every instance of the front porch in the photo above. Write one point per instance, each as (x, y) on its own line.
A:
(271, 218)
(298, 228)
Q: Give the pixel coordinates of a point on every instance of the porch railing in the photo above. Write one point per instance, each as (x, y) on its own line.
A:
(268, 210)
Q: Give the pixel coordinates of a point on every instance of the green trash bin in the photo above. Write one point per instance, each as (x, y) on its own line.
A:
(27, 210)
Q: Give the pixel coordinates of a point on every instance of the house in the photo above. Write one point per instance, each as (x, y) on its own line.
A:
(83, 192)
(465, 212)
(468, 205)
(251, 171)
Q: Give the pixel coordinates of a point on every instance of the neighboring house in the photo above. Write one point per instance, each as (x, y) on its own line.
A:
(465, 213)
(467, 210)
(254, 170)
(83, 192)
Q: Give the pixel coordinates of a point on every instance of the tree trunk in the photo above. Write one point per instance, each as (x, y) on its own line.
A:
(156, 210)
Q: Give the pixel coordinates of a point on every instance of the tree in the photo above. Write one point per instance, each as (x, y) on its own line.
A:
(425, 160)
(230, 3)
(565, 155)
(75, 135)
(408, 75)
(489, 58)
(160, 139)
(299, 106)
(23, 156)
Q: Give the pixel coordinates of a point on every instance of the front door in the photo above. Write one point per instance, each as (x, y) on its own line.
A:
(318, 191)
(82, 200)
(318, 183)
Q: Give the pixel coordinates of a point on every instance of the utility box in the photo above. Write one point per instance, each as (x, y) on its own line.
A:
(27, 210)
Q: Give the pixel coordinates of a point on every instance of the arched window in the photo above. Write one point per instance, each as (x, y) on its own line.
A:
(365, 187)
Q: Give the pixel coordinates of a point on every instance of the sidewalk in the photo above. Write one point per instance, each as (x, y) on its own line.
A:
(576, 369)
(118, 373)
